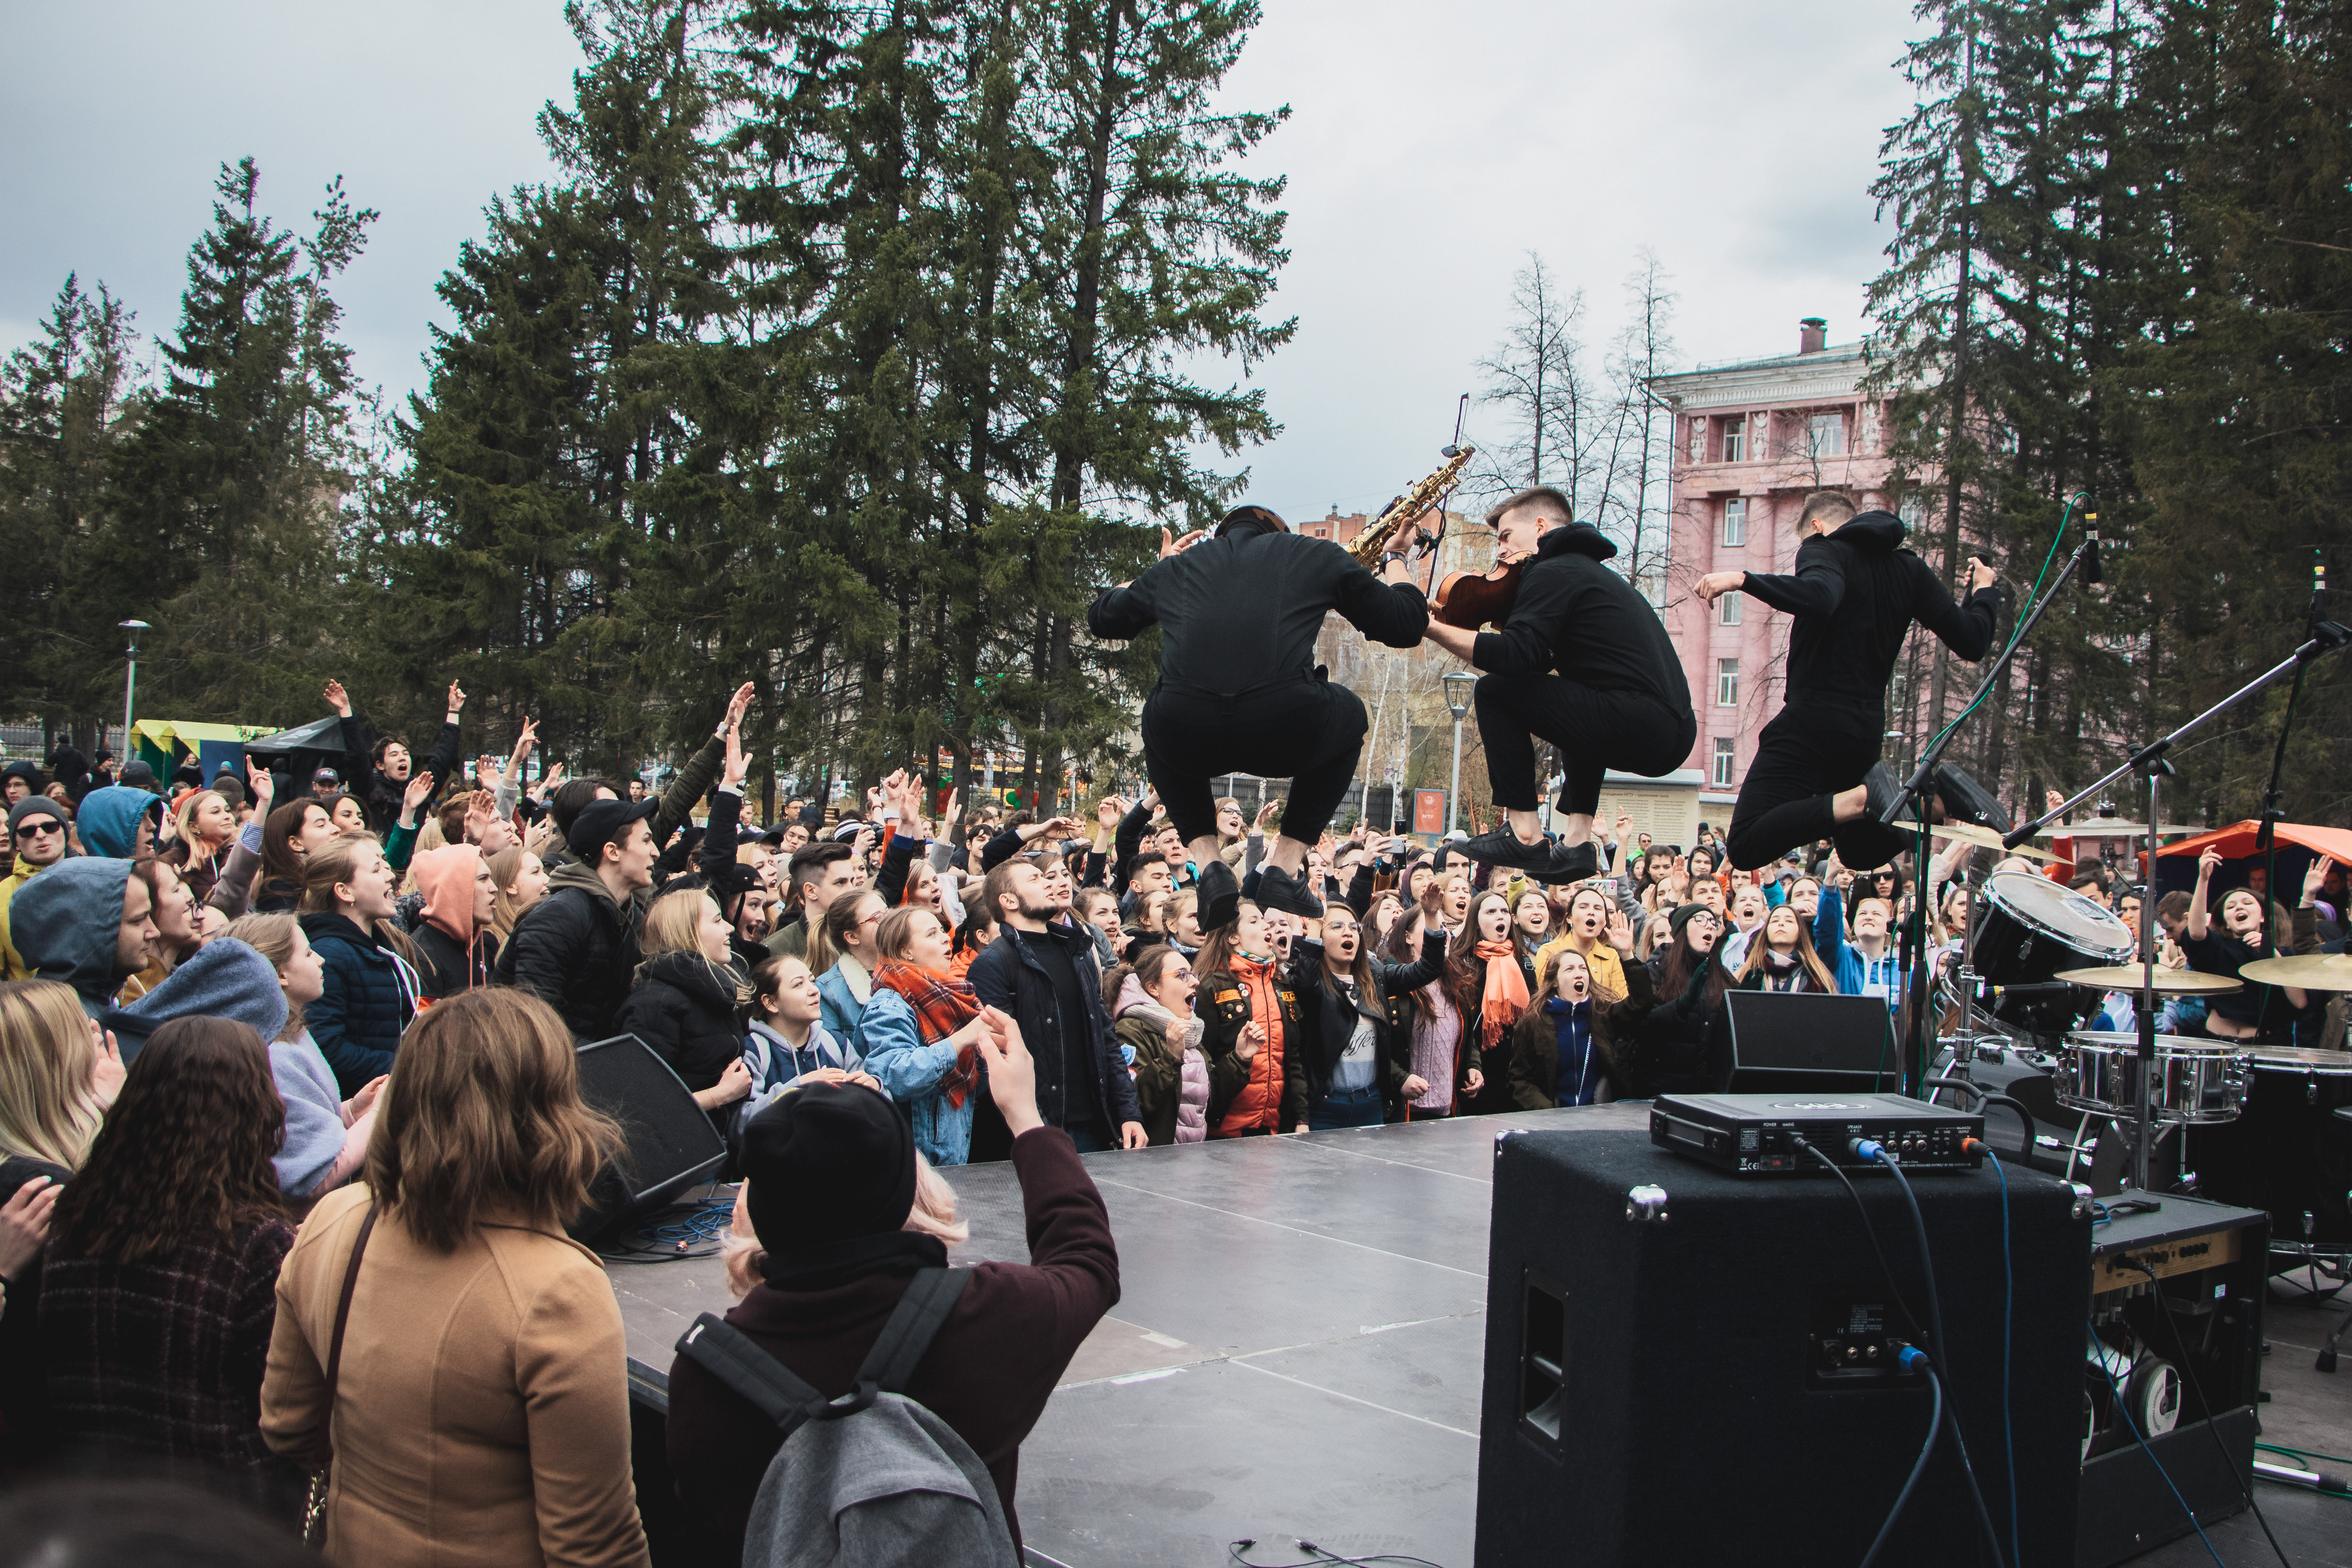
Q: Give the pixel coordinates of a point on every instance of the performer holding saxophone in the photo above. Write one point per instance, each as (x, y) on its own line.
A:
(1239, 689)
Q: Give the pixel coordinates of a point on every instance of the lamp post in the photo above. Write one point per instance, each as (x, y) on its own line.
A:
(1457, 684)
(130, 630)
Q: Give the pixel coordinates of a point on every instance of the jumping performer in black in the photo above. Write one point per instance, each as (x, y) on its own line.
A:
(1239, 689)
(1581, 661)
(1854, 594)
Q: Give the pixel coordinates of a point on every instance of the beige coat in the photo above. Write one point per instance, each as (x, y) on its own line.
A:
(483, 1417)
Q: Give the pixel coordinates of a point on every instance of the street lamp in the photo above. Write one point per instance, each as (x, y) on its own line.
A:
(130, 630)
(1457, 684)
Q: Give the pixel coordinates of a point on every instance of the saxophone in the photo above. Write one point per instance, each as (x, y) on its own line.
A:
(1369, 545)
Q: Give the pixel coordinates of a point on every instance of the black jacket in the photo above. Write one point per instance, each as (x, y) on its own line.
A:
(1575, 616)
(575, 950)
(1667, 1051)
(1329, 1023)
(444, 964)
(1241, 612)
(379, 797)
(683, 1005)
(1854, 594)
(1079, 1072)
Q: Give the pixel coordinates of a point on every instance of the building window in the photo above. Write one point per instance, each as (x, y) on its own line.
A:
(1727, 683)
(1735, 438)
(1727, 759)
(1735, 523)
(1726, 609)
(1829, 435)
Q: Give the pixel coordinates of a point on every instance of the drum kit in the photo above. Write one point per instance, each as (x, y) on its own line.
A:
(2263, 1126)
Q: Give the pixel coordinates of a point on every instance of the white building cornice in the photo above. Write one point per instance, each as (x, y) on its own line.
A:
(1825, 376)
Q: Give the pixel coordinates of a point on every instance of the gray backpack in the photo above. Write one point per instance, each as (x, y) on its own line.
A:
(871, 1479)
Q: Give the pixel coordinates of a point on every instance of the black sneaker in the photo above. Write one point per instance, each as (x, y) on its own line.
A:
(1965, 800)
(1886, 789)
(1220, 895)
(1278, 889)
(1567, 863)
(1503, 847)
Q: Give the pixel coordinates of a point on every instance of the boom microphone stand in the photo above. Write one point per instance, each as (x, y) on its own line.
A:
(2149, 760)
(1920, 790)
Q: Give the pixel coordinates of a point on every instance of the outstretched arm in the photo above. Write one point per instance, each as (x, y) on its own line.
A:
(1967, 629)
(1817, 587)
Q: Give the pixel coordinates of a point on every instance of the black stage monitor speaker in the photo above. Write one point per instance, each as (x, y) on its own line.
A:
(1772, 1042)
(671, 1143)
(1687, 1367)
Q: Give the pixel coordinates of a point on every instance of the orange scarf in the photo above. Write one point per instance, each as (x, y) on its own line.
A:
(1507, 990)
(942, 1004)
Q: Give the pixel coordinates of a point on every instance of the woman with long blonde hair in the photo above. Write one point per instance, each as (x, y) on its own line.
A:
(1780, 957)
(682, 1002)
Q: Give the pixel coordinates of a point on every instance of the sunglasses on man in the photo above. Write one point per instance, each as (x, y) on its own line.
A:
(39, 824)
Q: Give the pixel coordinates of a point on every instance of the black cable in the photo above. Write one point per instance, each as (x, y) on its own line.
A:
(1322, 1559)
(1918, 1466)
(2099, 1347)
(1893, 1291)
(2188, 1369)
(1936, 1320)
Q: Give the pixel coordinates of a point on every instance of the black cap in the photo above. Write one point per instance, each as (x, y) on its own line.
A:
(601, 821)
(326, 775)
(138, 775)
(842, 1140)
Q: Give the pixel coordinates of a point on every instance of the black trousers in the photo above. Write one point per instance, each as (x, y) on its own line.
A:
(1805, 756)
(1595, 731)
(1306, 730)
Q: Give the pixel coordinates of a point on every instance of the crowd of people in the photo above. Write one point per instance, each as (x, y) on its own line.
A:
(241, 1026)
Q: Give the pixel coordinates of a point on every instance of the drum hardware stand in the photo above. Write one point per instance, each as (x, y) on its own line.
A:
(2149, 760)
(1920, 790)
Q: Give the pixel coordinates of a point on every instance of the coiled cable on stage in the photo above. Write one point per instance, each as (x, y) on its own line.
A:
(2124, 1410)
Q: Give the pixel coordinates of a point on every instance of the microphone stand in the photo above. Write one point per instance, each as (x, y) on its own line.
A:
(1919, 789)
(2326, 636)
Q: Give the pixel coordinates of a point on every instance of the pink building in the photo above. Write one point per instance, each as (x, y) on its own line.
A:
(1751, 441)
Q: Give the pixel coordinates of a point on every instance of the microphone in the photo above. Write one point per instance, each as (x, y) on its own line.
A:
(2090, 573)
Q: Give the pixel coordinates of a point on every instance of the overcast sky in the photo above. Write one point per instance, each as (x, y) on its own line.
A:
(1430, 148)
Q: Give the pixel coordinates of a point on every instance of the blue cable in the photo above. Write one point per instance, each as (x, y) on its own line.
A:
(2125, 1412)
(2007, 1314)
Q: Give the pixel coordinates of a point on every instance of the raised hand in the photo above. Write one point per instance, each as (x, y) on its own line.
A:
(106, 1069)
(528, 739)
(2313, 878)
(488, 774)
(741, 703)
(1266, 812)
(260, 786)
(2207, 864)
(1108, 811)
(456, 698)
(413, 798)
(481, 812)
(1621, 932)
(1714, 585)
(734, 771)
(337, 698)
(1625, 828)
(1173, 545)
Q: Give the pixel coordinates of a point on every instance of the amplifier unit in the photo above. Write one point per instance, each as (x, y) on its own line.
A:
(1759, 1134)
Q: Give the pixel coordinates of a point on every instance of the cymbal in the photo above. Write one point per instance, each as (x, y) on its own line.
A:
(2312, 972)
(2128, 977)
(1970, 832)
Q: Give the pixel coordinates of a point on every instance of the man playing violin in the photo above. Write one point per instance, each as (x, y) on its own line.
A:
(1583, 661)
(1239, 689)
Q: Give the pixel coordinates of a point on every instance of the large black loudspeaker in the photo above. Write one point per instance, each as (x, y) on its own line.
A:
(672, 1145)
(1772, 1042)
(1699, 1374)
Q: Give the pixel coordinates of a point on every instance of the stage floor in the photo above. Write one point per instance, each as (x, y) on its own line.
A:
(1298, 1350)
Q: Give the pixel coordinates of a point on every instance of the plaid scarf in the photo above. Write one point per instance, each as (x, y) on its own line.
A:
(943, 1006)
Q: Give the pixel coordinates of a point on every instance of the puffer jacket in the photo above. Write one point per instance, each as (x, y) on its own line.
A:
(575, 950)
(683, 1005)
(1180, 1091)
(1272, 1093)
(372, 994)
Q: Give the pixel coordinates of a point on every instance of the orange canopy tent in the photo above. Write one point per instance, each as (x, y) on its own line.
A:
(2238, 840)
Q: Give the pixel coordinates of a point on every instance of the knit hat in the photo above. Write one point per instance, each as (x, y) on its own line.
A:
(841, 1139)
(36, 805)
(1683, 916)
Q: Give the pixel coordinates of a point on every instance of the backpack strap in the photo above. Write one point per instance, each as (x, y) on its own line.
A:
(735, 1359)
(912, 1327)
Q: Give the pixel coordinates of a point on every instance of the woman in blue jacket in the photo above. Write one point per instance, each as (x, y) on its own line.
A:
(372, 987)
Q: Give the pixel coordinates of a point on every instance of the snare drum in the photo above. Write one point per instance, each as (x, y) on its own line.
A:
(2031, 927)
(2290, 1153)
(2196, 1082)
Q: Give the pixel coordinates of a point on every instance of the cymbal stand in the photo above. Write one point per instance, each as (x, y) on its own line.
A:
(2149, 760)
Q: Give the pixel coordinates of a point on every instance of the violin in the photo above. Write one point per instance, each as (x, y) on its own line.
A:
(1473, 599)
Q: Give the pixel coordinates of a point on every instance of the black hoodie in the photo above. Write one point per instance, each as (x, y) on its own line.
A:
(1576, 615)
(1855, 593)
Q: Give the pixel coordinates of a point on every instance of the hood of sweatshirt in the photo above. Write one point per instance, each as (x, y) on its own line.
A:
(1875, 532)
(108, 818)
(225, 979)
(572, 874)
(445, 876)
(65, 923)
(1576, 539)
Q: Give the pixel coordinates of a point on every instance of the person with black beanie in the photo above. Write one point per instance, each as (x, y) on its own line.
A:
(833, 1270)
